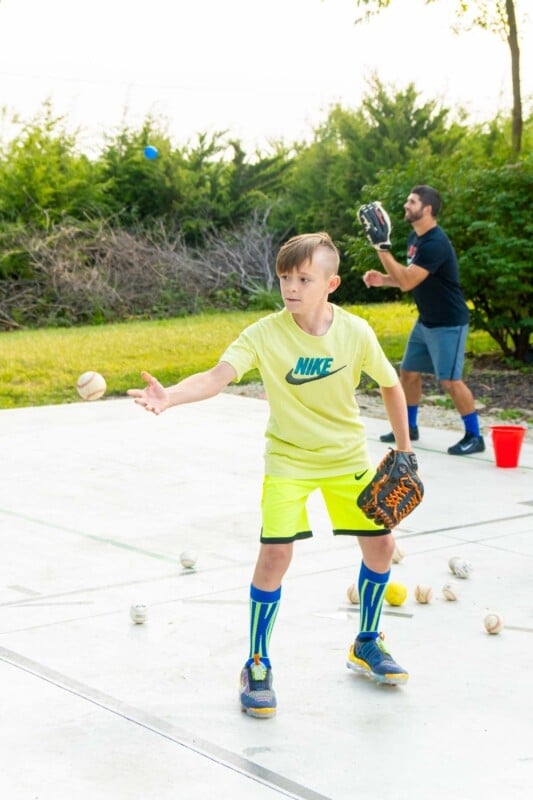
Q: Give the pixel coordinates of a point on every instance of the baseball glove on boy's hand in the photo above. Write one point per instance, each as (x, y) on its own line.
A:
(377, 225)
(394, 491)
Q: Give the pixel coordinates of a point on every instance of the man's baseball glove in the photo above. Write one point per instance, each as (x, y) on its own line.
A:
(377, 225)
(394, 491)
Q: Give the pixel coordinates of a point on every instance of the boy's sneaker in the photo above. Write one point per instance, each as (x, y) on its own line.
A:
(256, 694)
(389, 437)
(370, 657)
(470, 443)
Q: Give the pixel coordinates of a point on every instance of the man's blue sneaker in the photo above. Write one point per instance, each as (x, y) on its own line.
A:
(470, 443)
(414, 435)
(370, 657)
(256, 694)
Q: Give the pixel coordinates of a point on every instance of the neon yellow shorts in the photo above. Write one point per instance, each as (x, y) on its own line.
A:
(284, 507)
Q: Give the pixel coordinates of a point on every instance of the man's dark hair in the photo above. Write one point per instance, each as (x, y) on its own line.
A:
(429, 197)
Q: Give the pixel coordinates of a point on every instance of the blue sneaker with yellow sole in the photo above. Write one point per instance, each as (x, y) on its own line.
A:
(370, 657)
(257, 697)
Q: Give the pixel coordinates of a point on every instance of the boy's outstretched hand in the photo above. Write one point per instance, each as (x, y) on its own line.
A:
(154, 397)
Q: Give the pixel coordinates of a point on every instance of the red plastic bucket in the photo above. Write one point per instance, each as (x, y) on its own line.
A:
(507, 443)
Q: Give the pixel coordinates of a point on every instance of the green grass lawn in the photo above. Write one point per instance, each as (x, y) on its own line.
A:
(40, 367)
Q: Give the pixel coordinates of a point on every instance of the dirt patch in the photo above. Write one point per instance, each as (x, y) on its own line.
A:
(499, 386)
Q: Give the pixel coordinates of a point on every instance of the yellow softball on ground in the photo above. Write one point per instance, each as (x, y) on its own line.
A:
(395, 594)
(352, 593)
(423, 594)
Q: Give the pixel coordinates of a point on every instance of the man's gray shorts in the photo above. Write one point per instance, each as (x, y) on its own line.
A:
(436, 351)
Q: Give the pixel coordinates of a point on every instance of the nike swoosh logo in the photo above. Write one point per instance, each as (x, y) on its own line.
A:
(359, 475)
(290, 378)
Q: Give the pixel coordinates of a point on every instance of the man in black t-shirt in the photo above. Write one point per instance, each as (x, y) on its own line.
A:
(436, 344)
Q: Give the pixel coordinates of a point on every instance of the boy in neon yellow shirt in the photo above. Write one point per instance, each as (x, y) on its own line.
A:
(310, 356)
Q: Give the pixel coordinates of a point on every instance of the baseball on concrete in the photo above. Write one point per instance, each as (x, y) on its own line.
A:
(451, 563)
(493, 623)
(398, 555)
(423, 594)
(352, 593)
(188, 559)
(138, 613)
(450, 591)
(462, 568)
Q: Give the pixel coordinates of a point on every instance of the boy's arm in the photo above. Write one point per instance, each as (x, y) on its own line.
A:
(396, 408)
(200, 386)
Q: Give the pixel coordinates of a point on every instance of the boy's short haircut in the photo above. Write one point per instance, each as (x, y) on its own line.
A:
(300, 249)
(429, 197)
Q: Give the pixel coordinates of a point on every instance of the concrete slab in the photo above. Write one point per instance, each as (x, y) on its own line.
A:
(99, 499)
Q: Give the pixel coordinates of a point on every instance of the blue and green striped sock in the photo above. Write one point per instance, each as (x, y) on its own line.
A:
(371, 593)
(263, 612)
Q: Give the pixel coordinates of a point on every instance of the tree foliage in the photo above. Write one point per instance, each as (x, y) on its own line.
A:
(195, 189)
(206, 217)
(496, 16)
(43, 178)
(496, 239)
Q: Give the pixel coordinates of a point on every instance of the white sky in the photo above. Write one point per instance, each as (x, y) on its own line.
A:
(262, 70)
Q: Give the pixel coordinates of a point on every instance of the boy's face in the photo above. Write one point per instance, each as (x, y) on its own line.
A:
(306, 288)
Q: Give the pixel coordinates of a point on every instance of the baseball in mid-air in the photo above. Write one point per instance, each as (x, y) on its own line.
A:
(352, 593)
(423, 594)
(493, 623)
(91, 385)
(138, 613)
(188, 559)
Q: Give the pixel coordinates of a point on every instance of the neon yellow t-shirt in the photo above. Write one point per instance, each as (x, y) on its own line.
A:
(314, 428)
